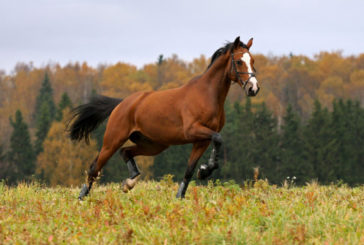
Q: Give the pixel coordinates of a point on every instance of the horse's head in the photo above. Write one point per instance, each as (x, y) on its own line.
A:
(242, 67)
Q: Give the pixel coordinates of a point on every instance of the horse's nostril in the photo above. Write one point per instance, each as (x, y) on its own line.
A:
(251, 92)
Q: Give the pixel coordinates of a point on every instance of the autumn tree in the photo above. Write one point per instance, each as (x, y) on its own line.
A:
(64, 162)
(123, 79)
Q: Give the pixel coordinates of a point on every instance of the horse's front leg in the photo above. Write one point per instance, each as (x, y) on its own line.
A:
(206, 169)
(198, 149)
(198, 132)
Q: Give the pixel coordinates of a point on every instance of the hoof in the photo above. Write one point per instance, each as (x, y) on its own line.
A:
(84, 192)
(205, 171)
(129, 184)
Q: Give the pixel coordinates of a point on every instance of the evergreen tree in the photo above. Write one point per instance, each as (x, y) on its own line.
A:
(250, 141)
(64, 103)
(320, 145)
(43, 126)
(292, 162)
(2, 153)
(172, 161)
(3, 165)
(45, 112)
(45, 96)
(229, 134)
(358, 143)
(264, 149)
(21, 155)
(348, 133)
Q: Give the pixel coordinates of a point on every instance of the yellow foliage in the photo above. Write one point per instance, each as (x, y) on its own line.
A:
(120, 80)
(355, 89)
(198, 65)
(330, 88)
(62, 162)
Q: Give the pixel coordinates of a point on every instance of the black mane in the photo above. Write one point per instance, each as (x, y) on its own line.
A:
(222, 51)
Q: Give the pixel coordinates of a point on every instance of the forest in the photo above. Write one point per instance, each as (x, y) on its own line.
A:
(306, 123)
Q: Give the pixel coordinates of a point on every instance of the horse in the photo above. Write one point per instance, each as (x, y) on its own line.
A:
(155, 120)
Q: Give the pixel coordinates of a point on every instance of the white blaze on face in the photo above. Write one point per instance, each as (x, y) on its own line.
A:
(246, 59)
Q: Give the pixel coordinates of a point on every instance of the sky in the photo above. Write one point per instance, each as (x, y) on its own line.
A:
(138, 31)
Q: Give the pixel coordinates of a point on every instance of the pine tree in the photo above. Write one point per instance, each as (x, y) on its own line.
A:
(45, 96)
(320, 145)
(43, 126)
(172, 161)
(2, 153)
(229, 134)
(292, 162)
(21, 155)
(63, 104)
(264, 148)
(3, 164)
(348, 133)
(45, 112)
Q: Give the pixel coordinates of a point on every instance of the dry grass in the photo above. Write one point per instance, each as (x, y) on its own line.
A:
(213, 214)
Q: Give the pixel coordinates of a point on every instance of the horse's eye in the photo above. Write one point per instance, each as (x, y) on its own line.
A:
(239, 62)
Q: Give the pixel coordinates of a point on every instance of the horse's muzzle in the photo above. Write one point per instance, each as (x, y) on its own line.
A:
(251, 92)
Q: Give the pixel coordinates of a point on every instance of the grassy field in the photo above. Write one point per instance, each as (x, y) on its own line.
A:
(219, 213)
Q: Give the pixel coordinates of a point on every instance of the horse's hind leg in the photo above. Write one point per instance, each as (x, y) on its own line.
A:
(96, 167)
(112, 142)
(143, 147)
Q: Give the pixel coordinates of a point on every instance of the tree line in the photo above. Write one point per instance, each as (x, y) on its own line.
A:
(328, 147)
(306, 123)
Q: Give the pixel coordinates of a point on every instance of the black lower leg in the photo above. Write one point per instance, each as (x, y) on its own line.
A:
(133, 168)
(92, 174)
(130, 163)
(206, 170)
(182, 189)
(186, 180)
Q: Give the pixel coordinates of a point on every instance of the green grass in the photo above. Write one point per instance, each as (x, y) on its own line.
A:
(213, 214)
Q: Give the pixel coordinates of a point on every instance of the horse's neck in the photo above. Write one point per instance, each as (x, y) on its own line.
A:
(217, 81)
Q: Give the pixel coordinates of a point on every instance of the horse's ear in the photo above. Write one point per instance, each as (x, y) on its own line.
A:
(250, 43)
(236, 42)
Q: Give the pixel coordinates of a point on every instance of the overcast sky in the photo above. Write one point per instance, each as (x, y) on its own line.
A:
(137, 31)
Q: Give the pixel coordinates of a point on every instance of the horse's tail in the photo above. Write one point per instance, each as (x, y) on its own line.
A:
(87, 117)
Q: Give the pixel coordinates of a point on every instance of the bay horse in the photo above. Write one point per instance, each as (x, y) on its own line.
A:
(155, 120)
